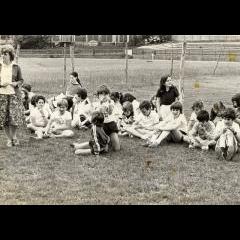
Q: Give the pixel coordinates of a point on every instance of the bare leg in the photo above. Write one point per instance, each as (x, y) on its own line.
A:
(84, 145)
(115, 142)
(13, 131)
(83, 152)
(64, 134)
(162, 136)
(8, 132)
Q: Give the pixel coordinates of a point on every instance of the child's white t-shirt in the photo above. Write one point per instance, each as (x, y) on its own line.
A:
(181, 121)
(35, 113)
(61, 120)
(82, 108)
(193, 117)
(117, 111)
(106, 108)
(221, 125)
(148, 121)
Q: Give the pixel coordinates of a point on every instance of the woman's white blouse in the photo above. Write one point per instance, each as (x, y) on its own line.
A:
(6, 78)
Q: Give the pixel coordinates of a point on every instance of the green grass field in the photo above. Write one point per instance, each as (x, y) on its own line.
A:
(48, 172)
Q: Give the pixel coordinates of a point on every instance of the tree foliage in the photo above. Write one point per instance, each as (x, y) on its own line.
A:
(33, 41)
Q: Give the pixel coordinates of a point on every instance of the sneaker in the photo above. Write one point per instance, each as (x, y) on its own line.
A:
(146, 144)
(205, 148)
(9, 143)
(154, 145)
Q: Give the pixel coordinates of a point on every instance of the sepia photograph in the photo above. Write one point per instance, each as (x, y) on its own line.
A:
(120, 120)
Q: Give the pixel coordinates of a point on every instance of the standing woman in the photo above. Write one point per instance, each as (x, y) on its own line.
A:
(11, 106)
(166, 95)
(73, 84)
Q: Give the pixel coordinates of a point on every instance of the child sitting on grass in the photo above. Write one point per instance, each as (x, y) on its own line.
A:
(216, 112)
(60, 122)
(227, 135)
(128, 97)
(105, 105)
(236, 105)
(82, 110)
(173, 128)
(39, 117)
(127, 118)
(196, 108)
(99, 139)
(202, 133)
(143, 127)
(117, 110)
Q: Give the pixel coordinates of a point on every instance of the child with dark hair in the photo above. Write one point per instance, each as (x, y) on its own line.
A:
(166, 95)
(202, 133)
(196, 108)
(82, 110)
(27, 87)
(99, 139)
(59, 125)
(143, 127)
(128, 97)
(117, 110)
(105, 105)
(173, 128)
(127, 118)
(39, 117)
(227, 135)
(216, 112)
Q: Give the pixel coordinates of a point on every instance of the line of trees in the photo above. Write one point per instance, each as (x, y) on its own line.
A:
(33, 41)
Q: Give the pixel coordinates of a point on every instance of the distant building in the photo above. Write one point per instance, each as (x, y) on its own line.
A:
(102, 39)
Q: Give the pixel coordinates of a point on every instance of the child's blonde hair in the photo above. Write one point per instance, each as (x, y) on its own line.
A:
(62, 103)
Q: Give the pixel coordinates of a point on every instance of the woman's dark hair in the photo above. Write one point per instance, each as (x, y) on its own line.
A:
(116, 96)
(127, 97)
(236, 98)
(103, 89)
(97, 118)
(229, 113)
(145, 105)
(10, 51)
(203, 116)
(197, 104)
(162, 83)
(177, 106)
(127, 106)
(75, 74)
(82, 93)
(152, 104)
(37, 98)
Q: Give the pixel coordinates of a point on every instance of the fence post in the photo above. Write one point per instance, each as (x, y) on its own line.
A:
(65, 65)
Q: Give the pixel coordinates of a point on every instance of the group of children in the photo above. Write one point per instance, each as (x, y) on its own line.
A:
(113, 114)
